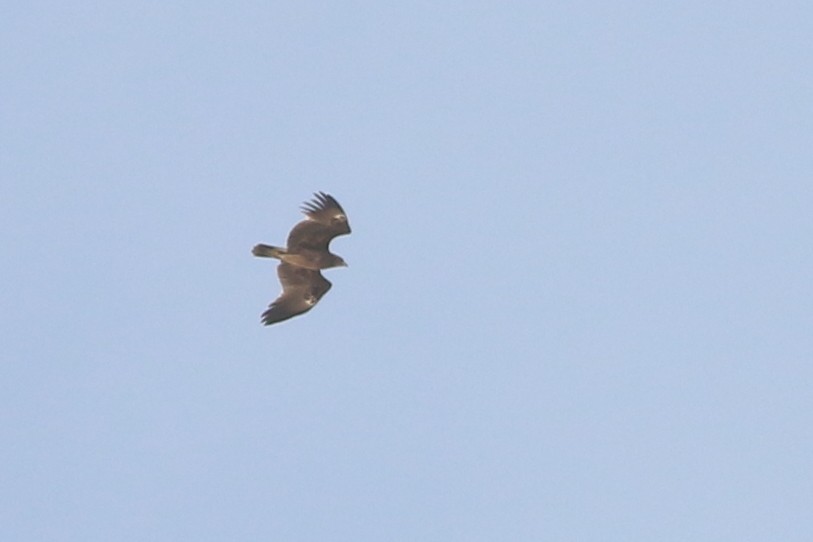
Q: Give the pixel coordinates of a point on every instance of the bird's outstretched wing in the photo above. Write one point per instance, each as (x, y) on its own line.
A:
(325, 220)
(301, 290)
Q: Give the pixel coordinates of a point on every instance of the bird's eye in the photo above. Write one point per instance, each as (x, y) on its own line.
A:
(340, 217)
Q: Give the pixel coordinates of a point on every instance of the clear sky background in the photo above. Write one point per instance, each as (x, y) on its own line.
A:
(579, 301)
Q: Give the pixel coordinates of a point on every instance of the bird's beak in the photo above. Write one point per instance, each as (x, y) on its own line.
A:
(345, 264)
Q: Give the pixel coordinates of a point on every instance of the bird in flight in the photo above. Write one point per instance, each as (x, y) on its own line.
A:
(306, 253)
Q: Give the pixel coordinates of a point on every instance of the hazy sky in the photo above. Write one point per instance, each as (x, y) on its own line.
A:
(579, 305)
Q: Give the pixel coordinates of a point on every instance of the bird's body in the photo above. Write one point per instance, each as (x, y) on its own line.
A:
(306, 254)
(308, 258)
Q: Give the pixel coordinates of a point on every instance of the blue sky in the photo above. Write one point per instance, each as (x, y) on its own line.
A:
(578, 305)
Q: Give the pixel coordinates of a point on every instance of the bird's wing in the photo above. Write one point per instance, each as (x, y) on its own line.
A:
(301, 290)
(325, 220)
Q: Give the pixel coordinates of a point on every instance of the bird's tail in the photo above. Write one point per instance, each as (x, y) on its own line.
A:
(267, 251)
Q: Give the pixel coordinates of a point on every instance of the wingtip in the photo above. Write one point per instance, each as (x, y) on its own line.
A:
(320, 201)
(266, 319)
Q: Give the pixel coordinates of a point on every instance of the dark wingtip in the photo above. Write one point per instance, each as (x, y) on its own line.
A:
(320, 201)
(267, 319)
(272, 316)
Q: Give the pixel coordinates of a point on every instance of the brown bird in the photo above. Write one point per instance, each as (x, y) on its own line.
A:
(307, 252)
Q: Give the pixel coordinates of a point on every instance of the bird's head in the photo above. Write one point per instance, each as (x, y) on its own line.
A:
(334, 261)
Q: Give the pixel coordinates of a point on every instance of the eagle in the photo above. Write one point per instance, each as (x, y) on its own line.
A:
(307, 252)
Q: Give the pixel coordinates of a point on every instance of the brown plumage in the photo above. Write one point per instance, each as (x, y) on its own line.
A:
(307, 252)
